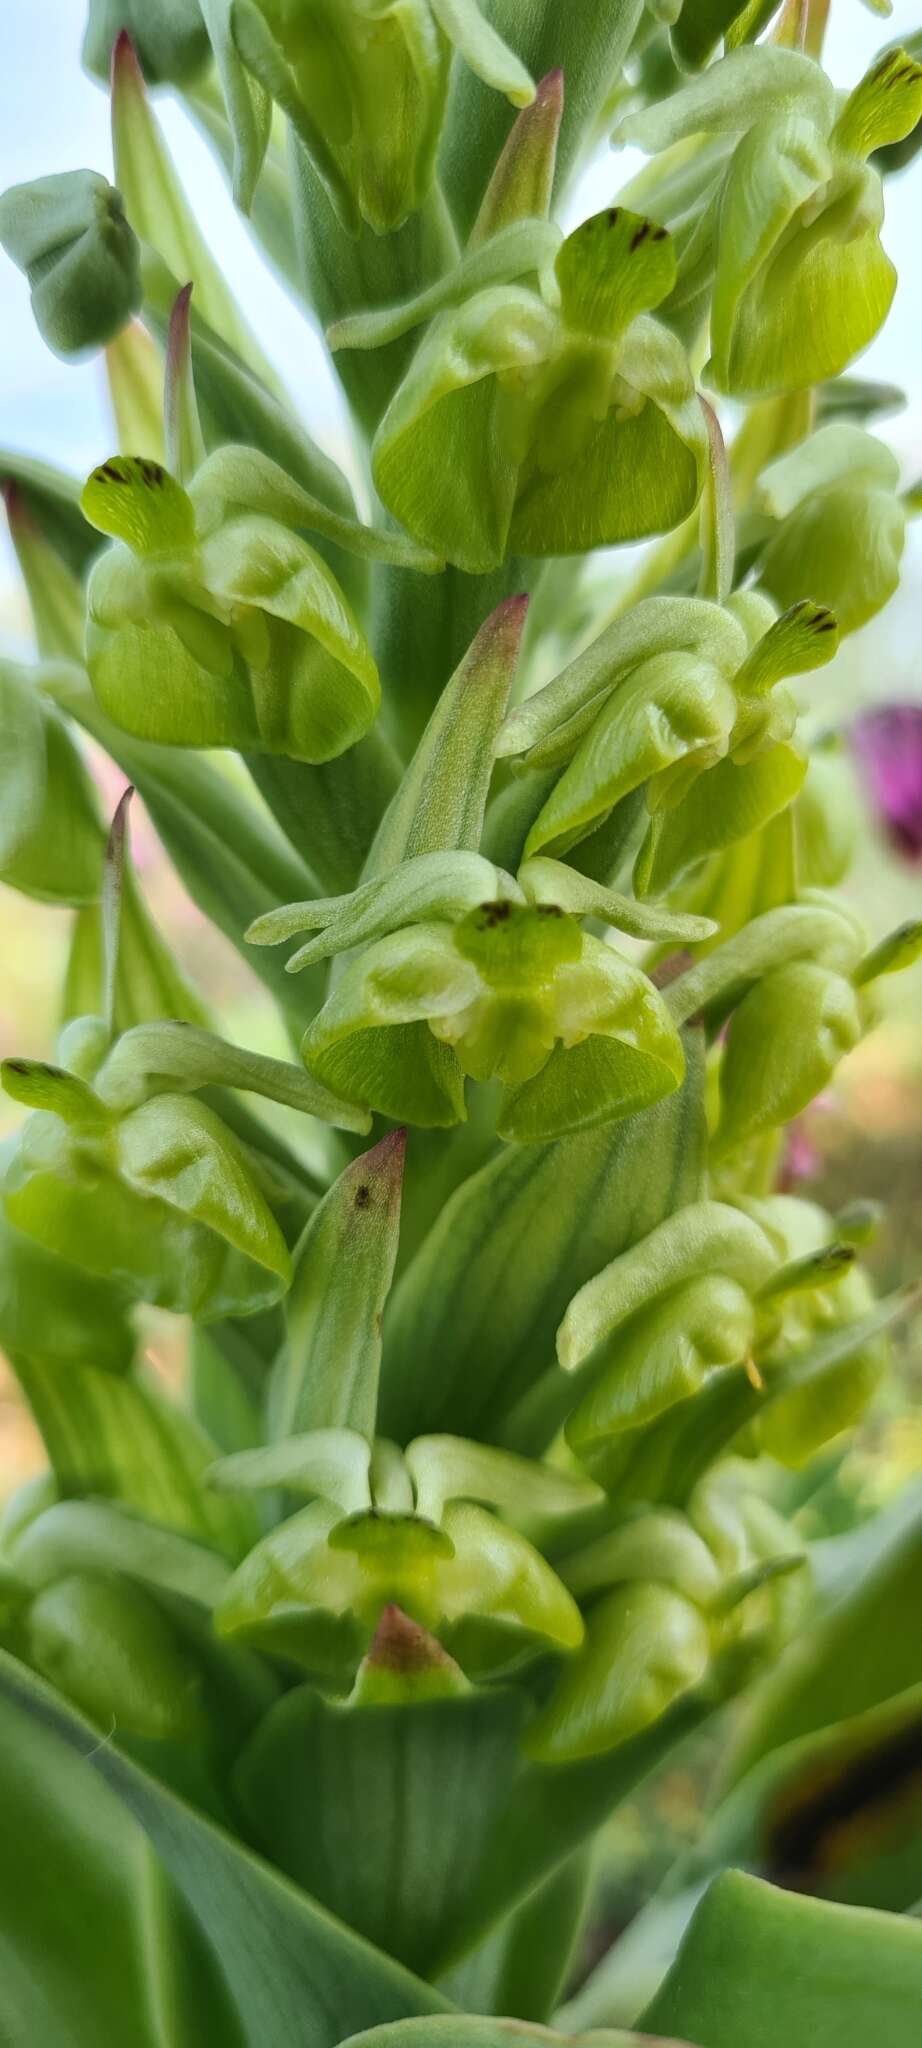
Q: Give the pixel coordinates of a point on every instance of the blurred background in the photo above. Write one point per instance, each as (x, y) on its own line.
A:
(864, 1138)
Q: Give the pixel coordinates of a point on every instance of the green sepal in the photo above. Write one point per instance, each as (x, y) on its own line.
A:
(236, 480)
(785, 1041)
(69, 234)
(661, 1546)
(99, 1537)
(512, 252)
(327, 1375)
(671, 710)
(369, 1034)
(526, 1493)
(52, 1089)
(743, 87)
(819, 930)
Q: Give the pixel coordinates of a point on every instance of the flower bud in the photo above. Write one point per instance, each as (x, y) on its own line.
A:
(69, 234)
(169, 36)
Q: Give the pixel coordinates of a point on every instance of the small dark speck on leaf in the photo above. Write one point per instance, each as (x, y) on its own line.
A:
(640, 235)
(363, 1196)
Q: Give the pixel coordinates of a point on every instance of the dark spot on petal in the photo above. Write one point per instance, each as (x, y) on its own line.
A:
(550, 910)
(640, 235)
(614, 215)
(363, 1196)
(660, 234)
(495, 913)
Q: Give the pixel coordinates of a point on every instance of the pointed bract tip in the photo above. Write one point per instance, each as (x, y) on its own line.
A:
(383, 1164)
(402, 1646)
(126, 64)
(17, 510)
(550, 89)
(120, 817)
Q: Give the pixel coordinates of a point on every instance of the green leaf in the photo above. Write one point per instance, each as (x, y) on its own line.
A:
(487, 1289)
(111, 1922)
(441, 801)
(327, 1377)
(50, 501)
(490, 59)
(772, 1968)
(285, 1963)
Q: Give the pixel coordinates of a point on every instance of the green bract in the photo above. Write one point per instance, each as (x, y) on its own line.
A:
(783, 229)
(446, 1422)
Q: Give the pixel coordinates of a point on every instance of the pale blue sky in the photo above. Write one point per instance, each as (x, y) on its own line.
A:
(53, 118)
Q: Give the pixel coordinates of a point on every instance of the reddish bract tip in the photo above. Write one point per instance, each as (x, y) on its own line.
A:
(550, 89)
(401, 1645)
(17, 511)
(126, 65)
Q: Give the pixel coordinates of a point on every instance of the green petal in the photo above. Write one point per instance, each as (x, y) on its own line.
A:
(138, 501)
(645, 1647)
(725, 805)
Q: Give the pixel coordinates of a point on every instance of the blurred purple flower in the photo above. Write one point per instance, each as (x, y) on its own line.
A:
(888, 747)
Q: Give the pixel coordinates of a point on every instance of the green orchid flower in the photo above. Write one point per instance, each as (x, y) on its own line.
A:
(464, 970)
(213, 623)
(418, 1529)
(778, 209)
(124, 1172)
(364, 85)
(671, 1598)
(679, 698)
(540, 421)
